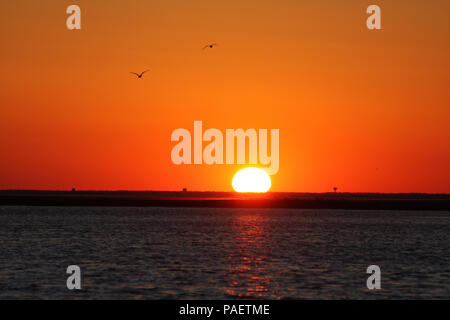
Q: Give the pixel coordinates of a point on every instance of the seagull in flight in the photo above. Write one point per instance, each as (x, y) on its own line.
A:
(139, 75)
(212, 45)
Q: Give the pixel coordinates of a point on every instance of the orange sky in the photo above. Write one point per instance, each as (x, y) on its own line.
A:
(366, 111)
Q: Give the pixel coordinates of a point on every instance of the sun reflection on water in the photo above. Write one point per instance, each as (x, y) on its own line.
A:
(249, 273)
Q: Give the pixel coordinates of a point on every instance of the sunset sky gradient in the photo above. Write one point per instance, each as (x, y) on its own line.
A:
(365, 111)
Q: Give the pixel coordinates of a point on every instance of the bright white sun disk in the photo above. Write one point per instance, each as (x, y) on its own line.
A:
(251, 180)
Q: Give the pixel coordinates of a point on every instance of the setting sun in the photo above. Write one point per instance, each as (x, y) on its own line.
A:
(251, 180)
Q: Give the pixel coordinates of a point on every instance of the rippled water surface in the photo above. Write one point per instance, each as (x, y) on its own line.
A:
(184, 253)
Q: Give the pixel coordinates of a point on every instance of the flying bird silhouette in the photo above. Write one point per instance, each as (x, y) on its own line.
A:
(212, 45)
(139, 75)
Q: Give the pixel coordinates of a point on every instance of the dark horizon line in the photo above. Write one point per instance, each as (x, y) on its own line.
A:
(231, 191)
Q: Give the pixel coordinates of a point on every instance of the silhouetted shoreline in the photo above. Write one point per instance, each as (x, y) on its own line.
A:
(349, 201)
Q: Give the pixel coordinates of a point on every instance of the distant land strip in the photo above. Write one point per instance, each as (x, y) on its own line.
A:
(199, 200)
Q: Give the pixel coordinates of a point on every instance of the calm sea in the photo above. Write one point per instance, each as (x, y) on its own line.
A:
(189, 253)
